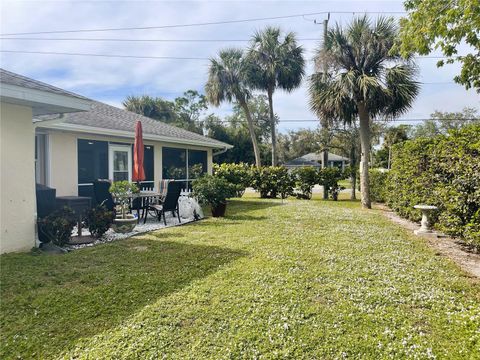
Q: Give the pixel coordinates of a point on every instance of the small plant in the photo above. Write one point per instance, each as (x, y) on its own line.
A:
(238, 175)
(329, 178)
(98, 220)
(121, 191)
(272, 181)
(305, 180)
(212, 190)
(57, 227)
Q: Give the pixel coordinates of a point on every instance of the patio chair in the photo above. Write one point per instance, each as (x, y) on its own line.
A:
(170, 203)
(102, 194)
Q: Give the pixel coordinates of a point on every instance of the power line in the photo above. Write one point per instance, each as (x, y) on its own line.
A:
(393, 120)
(138, 40)
(200, 24)
(142, 56)
(105, 55)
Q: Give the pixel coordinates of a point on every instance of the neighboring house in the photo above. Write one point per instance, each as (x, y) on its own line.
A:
(68, 151)
(316, 160)
(21, 99)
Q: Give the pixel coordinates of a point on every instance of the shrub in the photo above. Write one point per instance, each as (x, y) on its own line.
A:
(378, 180)
(272, 181)
(329, 178)
(98, 220)
(305, 180)
(238, 175)
(57, 227)
(443, 171)
(212, 190)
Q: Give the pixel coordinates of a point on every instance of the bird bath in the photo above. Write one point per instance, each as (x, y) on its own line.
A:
(426, 225)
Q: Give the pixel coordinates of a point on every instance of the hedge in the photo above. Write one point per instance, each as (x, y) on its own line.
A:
(442, 171)
(378, 180)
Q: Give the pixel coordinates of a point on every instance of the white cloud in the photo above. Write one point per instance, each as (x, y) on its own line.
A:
(111, 79)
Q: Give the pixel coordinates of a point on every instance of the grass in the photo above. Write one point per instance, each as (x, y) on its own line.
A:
(303, 279)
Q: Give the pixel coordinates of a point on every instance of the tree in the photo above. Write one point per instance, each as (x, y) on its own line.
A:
(364, 79)
(394, 135)
(227, 82)
(444, 25)
(155, 108)
(259, 111)
(275, 61)
(296, 143)
(185, 111)
(442, 122)
(345, 140)
(189, 108)
(236, 134)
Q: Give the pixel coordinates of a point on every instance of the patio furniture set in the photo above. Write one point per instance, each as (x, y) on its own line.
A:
(146, 203)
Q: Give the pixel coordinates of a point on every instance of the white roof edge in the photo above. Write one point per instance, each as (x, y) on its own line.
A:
(43, 97)
(127, 134)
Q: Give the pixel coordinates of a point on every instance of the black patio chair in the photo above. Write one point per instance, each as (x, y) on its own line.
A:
(102, 194)
(170, 203)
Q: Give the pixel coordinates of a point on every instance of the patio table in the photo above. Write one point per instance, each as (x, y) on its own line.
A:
(146, 196)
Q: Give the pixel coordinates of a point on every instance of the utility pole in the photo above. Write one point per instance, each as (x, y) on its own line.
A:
(325, 123)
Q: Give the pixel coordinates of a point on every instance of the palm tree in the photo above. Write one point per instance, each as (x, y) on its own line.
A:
(364, 79)
(227, 82)
(275, 61)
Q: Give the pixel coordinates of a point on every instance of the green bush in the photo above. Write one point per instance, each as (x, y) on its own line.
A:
(305, 180)
(57, 227)
(329, 178)
(272, 181)
(237, 174)
(98, 220)
(378, 181)
(212, 190)
(443, 171)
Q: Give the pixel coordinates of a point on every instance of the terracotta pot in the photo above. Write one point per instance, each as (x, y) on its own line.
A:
(219, 210)
(124, 225)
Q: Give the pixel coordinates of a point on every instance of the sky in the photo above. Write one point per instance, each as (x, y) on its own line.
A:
(110, 79)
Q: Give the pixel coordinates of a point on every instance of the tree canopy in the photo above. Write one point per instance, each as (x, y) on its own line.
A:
(185, 111)
(444, 25)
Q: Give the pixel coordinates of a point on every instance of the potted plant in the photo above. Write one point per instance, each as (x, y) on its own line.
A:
(214, 191)
(122, 191)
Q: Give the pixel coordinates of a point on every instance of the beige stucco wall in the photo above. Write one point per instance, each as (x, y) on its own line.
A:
(17, 178)
(63, 172)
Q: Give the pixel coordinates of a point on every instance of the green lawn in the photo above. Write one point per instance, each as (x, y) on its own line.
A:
(304, 279)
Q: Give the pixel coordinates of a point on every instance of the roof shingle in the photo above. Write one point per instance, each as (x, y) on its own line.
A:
(8, 77)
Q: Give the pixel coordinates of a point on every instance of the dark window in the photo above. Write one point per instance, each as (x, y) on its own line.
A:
(92, 160)
(148, 163)
(197, 163)
(174, 163)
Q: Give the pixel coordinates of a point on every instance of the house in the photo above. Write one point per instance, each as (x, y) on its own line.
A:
(68, 150)
(316, 160)
(21, 99)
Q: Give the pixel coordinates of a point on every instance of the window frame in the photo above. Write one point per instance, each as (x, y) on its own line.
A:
(120, 148)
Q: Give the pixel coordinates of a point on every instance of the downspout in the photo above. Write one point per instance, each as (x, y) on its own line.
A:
(219, 152)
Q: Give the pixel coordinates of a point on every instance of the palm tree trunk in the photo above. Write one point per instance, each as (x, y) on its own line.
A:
(272, 126)
(251, 129)
(325, 165)
(353, 172)
(365, 146)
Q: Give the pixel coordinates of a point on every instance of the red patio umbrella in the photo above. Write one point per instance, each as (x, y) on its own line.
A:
(138, 171)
